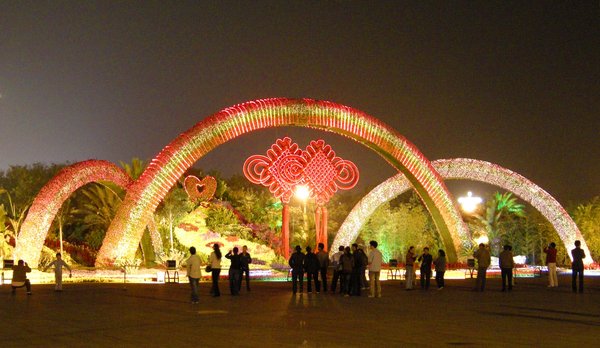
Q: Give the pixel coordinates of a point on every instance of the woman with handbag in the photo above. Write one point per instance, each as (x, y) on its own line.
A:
(214, 262)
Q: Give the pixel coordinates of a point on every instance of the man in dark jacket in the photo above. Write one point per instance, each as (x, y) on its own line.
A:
(296, 262)
(347, 262)
(577, 266)
(312, 266)
(235, 271)
(426, 259)
(358, 267)
(245, 261)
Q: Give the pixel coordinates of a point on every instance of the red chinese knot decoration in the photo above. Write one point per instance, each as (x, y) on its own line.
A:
(285, 166)
(280, 170)
(325, 173)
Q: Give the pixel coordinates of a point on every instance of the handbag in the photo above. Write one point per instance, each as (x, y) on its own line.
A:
(208, 268)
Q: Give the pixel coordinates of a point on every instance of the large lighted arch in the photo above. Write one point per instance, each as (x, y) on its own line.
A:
(469, 169)
(148, 191)
(46, 204)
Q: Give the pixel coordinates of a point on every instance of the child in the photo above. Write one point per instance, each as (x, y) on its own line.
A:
(58, 265)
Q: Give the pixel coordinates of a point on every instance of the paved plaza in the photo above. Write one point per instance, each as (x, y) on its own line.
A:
(160, 315)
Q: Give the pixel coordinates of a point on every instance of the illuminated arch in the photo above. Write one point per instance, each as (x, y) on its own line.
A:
(469, 169)
(51, 197)
(170, 164)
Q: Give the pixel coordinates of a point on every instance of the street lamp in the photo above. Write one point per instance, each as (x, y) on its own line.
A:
(469, 203)
(302, 193)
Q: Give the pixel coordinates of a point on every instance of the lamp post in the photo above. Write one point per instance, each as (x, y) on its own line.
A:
(302, 193)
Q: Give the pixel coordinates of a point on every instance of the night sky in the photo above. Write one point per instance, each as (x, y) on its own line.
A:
(514, 84)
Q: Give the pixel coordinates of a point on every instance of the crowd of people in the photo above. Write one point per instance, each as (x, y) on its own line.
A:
(349, 265)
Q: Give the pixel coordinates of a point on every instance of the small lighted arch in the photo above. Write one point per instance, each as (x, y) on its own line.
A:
(170, 164)
(47, 203)
(468, 169)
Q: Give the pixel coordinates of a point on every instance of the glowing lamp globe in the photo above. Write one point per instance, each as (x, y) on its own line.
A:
(302, 192)
(469, 204)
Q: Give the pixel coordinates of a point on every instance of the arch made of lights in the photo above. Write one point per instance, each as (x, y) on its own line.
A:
(170, 164)
(51, 197)
(467, 169)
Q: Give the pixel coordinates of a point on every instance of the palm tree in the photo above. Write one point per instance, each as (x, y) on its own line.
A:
(16, 215)
(502, 208)
(135, 169)
(97, 207)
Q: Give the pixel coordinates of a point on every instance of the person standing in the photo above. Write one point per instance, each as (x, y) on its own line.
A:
(551, 263)
(245, 261)
(577, 266)
(440, 269)
(19, 278)
(374, 264)
(311, 267)
(215, 266)
(337, 269)
(425, 259)
(235, 271)
(347, 262)
(483, 257)
(357, 268)
(324, 264)
(364, 260)
(194, 273)
(58, 265)
(296, 262)
(409, 274)
(507, 264)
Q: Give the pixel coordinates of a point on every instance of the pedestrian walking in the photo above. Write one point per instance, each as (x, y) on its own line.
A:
(374, 265)
(58, 265)
(194, 274)
(507, 264)
(550, 251)
(577, 266)
(440, 269)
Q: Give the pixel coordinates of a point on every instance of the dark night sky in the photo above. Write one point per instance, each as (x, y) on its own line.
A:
(515, 84)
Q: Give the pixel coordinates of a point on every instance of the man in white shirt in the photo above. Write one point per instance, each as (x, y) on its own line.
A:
(375, 259)
(194, 273)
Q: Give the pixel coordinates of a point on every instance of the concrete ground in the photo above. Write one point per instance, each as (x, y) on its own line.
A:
(151, 315)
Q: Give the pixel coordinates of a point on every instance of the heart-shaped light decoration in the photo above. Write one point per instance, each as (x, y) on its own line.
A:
(200, 190)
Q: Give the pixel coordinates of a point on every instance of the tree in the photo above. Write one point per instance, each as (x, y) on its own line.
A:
(398, 225)
(135, 169)
(501, 215)
(96, 207)
(172, 209)
(587, 218)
